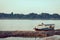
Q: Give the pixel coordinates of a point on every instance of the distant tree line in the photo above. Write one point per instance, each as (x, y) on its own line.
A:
(29, 16)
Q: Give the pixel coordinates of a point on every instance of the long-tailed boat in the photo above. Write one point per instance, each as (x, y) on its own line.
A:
(44, 27)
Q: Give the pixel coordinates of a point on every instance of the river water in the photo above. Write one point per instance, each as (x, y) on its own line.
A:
(17, 24)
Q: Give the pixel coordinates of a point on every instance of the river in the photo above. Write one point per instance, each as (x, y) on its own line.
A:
(17, 24)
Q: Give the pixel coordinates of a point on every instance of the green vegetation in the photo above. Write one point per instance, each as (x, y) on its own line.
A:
(29, 16)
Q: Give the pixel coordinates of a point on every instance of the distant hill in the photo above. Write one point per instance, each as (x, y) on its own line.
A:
(46, 16)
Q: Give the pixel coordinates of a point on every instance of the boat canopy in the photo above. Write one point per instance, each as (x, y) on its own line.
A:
(46, 24)
(49, 24)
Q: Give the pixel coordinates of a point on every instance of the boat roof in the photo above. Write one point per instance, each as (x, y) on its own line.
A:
(46, 24)
(49, 24)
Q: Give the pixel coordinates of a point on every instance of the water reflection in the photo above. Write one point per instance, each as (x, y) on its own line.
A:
(56, 37)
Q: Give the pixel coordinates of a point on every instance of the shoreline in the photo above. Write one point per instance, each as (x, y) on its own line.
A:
(5, 34)
(29, 19)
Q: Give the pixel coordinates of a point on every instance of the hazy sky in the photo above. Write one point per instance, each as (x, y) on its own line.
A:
(28, 6)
